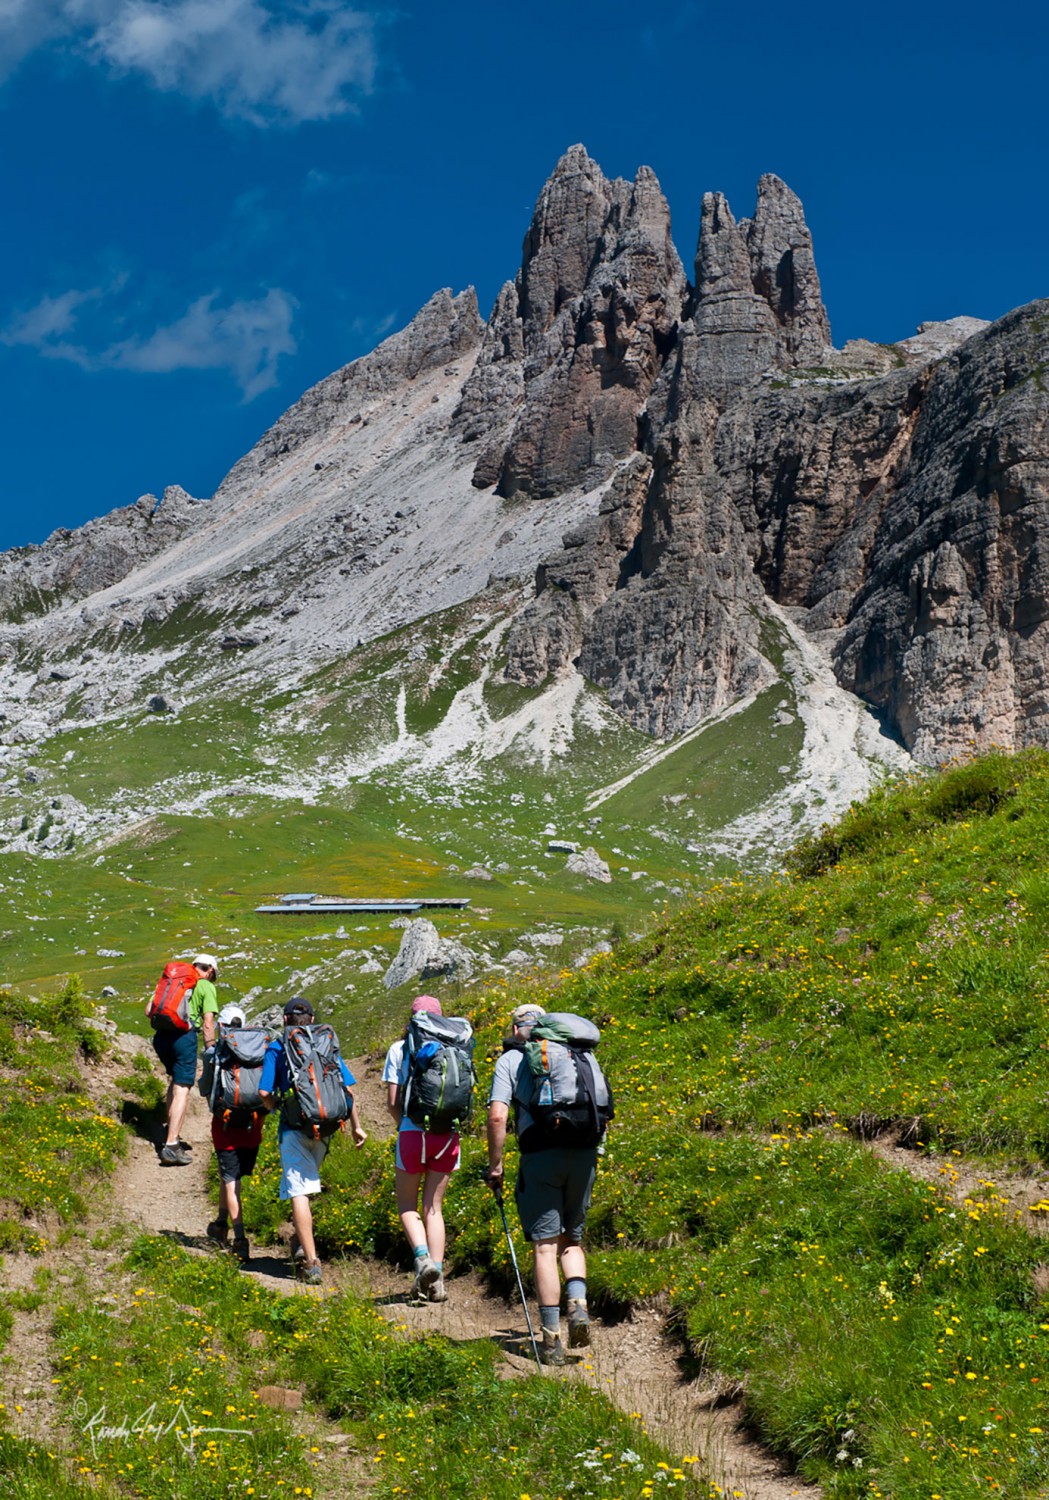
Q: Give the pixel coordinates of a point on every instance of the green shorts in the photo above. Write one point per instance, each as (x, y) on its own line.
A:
(553, 1192)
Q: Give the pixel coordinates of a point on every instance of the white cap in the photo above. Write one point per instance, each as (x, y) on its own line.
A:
(205, 961)
(231, 1015)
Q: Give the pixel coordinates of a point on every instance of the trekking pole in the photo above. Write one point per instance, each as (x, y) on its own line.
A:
(497, 1190)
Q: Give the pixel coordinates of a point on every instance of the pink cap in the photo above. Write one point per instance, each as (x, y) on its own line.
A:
(427, 1003)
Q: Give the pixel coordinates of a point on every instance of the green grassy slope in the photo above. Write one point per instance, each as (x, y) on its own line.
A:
(393, 771)
(893, 1341)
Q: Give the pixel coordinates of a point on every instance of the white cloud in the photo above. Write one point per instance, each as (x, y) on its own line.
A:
(48, 320)
(246, 338)
(264, 61)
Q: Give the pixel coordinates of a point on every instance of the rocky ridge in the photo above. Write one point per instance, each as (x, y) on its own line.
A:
(668, 460)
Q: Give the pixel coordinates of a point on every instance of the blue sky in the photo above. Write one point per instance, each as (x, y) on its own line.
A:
(211, 204)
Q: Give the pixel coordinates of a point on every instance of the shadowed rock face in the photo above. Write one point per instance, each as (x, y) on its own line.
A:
(950, 627)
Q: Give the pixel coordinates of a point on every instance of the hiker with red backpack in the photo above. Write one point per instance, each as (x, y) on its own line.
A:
(303, 1072)
(430, 1079)
(184, 1003)
(562, 1105)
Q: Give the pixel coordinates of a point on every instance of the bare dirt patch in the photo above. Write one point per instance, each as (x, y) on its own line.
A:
(970, 1182)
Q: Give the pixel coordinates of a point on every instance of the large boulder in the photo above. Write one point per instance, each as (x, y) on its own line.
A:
(424, 954)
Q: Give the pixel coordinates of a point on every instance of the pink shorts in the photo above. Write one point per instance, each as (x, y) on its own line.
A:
(427, 1151)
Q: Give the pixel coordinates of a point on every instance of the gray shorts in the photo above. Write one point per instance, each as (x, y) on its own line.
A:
(553, 1192)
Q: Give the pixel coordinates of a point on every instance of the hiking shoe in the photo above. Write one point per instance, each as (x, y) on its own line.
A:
(551, 1351)
(174, 1156)
(298, 1254)
(427, 1272)
(437, 1292)
(241, 1251)
(218, 1230)
(312, 1273)
(578, 1324)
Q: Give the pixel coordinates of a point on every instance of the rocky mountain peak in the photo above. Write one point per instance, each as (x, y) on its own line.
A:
(598, 299)
(722, 262)
(563, 240)
(783, 269)
(757, 301)
(691, 462)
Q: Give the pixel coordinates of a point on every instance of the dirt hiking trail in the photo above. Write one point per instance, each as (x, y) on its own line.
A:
(633, 1362)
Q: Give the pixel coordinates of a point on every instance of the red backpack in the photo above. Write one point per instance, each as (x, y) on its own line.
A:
(169, 1008)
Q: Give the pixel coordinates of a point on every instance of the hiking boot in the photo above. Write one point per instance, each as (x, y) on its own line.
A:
(312, 1273)
(437, 1292)
(578, 1324)
(174, 1156)
(426, 1273)
(551, 1351)
(218, 1230)
(241, 1251)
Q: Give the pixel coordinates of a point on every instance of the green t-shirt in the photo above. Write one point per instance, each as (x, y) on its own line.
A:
(203, 1000)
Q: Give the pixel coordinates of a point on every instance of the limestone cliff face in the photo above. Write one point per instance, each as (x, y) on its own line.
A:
(949, 631)
(664, 457)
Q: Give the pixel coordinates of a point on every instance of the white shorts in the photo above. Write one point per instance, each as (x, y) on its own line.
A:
(300, 1165)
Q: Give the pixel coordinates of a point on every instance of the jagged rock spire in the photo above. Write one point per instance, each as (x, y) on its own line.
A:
(783, 268)
(598, 299)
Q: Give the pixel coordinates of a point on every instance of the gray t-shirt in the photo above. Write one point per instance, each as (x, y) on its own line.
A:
(503, 1081)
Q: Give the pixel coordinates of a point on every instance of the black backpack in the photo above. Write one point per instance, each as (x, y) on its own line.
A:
(561, 1085)
(318, 1103)
(438, 1093)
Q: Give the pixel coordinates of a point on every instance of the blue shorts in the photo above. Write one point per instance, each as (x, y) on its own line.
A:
(177, 1050)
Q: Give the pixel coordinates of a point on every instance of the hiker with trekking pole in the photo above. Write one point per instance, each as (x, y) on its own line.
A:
(562, 1106)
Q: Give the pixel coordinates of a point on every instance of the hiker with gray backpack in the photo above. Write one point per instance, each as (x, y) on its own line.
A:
(429, 1076)
(303, 1073)
(562, 1105)
(229, 1081)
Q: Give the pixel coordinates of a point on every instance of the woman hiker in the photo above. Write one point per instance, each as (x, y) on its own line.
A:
(425, 1159)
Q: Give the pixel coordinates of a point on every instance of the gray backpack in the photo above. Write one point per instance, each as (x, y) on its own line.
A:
(318, 1103)
(438, 1093)
(231, 1083)
(561, 1086)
